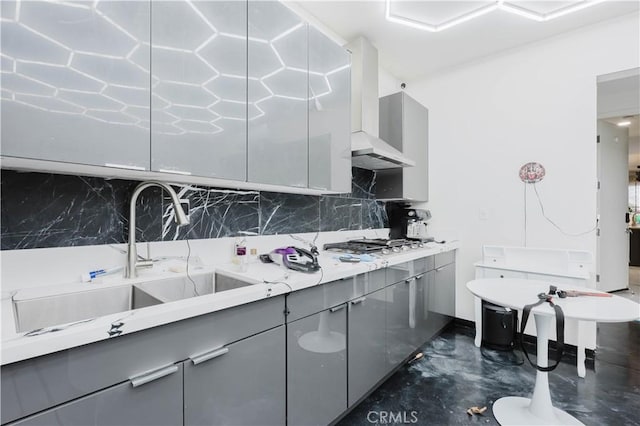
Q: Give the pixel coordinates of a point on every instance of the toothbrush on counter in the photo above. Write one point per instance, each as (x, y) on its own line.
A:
(92, 275)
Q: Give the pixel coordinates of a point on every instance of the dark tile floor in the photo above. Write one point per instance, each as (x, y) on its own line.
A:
(453, 376)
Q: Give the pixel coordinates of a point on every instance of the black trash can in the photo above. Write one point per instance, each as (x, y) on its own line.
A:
(499, 325)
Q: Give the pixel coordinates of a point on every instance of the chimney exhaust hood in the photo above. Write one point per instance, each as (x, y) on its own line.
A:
(368, 151)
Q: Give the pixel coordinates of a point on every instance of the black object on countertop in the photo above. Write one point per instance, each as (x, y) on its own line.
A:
(264, 258)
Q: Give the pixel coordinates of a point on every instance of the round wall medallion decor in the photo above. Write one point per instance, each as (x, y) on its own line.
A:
(532, 172)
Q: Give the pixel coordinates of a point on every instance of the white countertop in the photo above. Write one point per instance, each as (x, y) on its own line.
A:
(270, 280)
(515, 293)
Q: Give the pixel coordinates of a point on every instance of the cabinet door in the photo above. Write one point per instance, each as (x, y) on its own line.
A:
(399, 321)
(199, 67)
(442, 297)
(367, 359)
(75, 82)
(415, 143)
(329, 114)
(154, 403)
(277, 95)
(425, 327)
(317, 367)
(240, 384)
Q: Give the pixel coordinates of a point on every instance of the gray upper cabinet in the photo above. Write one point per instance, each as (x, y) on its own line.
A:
(277, 95)
(404, 124)
(224, 90)
(329, 114)
(199, 88)
(75, 82)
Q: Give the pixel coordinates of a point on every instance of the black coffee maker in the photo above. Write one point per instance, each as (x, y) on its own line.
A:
(407, 222)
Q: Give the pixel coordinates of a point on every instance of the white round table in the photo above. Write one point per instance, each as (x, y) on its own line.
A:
(516, 293)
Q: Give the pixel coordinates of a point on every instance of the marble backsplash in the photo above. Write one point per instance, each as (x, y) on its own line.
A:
(41, 210)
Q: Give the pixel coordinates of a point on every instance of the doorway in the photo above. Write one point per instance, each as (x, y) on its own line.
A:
(618, 110)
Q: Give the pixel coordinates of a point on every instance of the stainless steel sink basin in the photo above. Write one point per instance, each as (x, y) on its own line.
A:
(172, 289)
(224, 283)
(35, 313)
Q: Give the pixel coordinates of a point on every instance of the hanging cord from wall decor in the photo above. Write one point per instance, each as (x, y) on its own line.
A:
(525, 214)
(195, 287)
(569, 234)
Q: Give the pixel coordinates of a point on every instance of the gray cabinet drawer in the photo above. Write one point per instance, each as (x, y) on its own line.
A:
(318, 298)
(155, 403)
(446, 258)
(374, 281)
(424, 264)
(399, 272)
(39, 383)
(402, 271)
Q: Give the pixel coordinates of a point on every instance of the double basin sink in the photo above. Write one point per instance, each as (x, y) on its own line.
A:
(41, 312)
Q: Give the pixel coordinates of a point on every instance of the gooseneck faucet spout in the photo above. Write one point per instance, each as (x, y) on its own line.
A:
(132, 254)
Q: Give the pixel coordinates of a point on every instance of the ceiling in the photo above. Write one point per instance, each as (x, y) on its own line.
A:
(410, 53)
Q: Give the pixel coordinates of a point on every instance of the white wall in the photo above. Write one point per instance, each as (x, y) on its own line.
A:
(537, 103)
(387, 83)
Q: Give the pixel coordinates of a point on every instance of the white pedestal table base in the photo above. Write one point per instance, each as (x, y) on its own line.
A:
(514, 410)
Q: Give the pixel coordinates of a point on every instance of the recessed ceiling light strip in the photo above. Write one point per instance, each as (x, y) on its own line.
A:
(520, 11)
(571, 9)
(467, 17)
(500, 4)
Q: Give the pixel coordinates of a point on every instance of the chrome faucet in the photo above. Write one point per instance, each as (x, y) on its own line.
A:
(130, 270)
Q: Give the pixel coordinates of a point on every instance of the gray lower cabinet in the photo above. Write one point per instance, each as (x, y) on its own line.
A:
(442, 296)
(239, 384)
(317, 367)
(397, 323)
(243, 365)
(366, 343)
(424, 324)
(407, 319)
(37, 384)
(153, 400)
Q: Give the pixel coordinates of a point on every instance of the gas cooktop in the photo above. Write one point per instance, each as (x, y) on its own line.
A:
(376, 245)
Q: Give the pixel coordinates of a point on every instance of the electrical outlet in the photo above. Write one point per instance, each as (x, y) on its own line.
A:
(483, 214)
(186, 206)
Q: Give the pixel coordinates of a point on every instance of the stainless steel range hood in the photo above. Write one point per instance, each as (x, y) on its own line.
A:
(368, 151)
